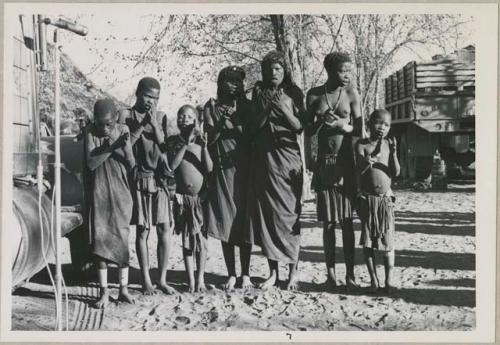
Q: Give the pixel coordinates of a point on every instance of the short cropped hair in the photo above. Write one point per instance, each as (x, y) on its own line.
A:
(187, 106)
(377, 113)
(333, 60)
(147, 83)
(104, 106)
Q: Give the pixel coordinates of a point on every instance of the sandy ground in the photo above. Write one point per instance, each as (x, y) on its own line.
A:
(435, 274)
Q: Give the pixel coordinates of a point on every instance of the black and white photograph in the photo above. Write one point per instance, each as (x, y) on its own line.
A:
(232, 168)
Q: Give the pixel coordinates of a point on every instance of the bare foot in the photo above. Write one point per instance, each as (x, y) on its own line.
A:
(246, 283)
(148, 289)
(229, 285)
(270, 282)
(374, 288)
(125, 296)
(293, 284)
(103, 300)
(201, 286)
(389, 289)
(166, 289)
(191, 288)
(331, 284)
(351, 284)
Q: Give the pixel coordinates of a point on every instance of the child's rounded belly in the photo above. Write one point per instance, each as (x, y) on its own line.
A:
(375, 181)
(189, 180)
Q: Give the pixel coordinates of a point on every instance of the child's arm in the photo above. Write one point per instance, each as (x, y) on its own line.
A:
(175, 155)
(158, 133)
(98, 155)
(134, 134)
(205, 156)
(127, 154)
(394, 166)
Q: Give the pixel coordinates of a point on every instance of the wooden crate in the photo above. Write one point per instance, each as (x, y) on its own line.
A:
(430, 77)
(401, 84)
(409, 76)
(444, 76)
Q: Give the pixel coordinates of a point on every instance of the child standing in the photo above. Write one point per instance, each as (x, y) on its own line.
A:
(377, 164)
(109, 157)
(189, 159)
(151, 199)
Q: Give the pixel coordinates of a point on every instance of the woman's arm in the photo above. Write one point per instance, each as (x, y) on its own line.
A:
(158, 133)
(205, 156)
(213, 129)
(357, 129)
(360, 164)
(289, 111)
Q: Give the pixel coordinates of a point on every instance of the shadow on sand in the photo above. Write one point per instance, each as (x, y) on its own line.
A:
(405, 258)
(432, 223)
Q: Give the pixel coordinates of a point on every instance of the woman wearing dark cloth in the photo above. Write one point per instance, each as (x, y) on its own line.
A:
(275, 183)
(224, 118)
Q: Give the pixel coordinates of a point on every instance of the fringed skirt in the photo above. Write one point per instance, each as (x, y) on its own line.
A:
(333, 205)
(376, 213)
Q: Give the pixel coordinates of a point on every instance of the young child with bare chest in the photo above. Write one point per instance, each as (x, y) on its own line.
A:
(189, 159)
(377, 164)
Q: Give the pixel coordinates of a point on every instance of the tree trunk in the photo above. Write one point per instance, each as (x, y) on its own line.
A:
(376, 91)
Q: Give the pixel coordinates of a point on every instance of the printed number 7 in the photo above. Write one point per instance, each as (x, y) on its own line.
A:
(289, 336)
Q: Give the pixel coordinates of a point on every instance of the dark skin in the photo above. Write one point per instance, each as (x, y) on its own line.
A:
(229, 97)
(147, 115)
(319, 114)
(189, 181)
(375, 172)
(115, 144)
(286, 109)
(145, 106)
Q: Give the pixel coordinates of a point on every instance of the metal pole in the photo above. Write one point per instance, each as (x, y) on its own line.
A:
(57, 178)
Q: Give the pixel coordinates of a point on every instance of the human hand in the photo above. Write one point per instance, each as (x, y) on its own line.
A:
(371, 159)
(150, 118)
(203, 140)
(284, 103)
(330, 119)
(121, 141)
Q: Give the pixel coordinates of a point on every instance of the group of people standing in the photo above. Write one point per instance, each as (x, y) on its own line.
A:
(239, 177)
